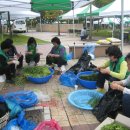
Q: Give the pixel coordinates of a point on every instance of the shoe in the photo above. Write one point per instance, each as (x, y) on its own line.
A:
(57, 72)
(101, 90)
(10, 81)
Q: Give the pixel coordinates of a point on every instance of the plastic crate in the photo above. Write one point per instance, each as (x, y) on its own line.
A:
(3, 120)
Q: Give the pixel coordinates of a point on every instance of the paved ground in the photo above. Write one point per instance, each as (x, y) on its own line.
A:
(69, 117)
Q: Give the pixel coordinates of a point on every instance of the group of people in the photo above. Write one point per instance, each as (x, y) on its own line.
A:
(118, 75)
(11, 60)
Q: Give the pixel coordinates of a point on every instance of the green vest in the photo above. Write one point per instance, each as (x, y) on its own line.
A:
(127, 74)
(2, 53)
(117, 67)
(32, 48)
(57, 51)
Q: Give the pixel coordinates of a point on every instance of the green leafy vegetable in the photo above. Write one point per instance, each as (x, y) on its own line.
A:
(114, 126)
(93, 101)
(36, 71)
(92, 77)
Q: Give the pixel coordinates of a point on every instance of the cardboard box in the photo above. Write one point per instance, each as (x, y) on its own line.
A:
(120, 119)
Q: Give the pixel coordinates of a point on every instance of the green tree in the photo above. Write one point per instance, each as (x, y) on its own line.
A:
(101, 3)
(51, 14)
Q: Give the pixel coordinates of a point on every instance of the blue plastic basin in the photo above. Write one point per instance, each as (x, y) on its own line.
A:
(41, 79)
(80, 98)
(86, 83)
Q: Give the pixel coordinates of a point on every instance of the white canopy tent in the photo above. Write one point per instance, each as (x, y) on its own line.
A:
(17, 9)
(20, 14)
(20, 5)
(69, 15)
(118, 8)
(108, 21)
(115, 9)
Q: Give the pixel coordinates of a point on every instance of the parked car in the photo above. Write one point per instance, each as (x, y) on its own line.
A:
(19, 25)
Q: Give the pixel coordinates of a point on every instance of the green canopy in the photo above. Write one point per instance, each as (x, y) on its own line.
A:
(85, 13)
(41, 5)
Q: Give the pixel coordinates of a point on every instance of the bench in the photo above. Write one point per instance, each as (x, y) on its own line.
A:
(99, 50)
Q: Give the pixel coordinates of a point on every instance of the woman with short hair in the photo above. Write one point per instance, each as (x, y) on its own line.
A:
(57, 54)
(117, 67)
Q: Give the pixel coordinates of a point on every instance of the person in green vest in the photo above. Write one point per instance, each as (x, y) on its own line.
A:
(57, 54)
(31, 53)
(124, 86)
(5, 62)
(115, 69)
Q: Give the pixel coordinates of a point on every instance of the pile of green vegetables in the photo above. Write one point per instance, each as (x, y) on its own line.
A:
(36, 72)
(114, 126)
(92, 77)
(93, 101)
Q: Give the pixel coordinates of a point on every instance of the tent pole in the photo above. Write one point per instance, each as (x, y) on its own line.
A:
(122, 26)
(73, 20)
(86, 23)
(10, 31)
(40, 22)
(90, 33)
(73, 24)
(58, 27)
(113, 27)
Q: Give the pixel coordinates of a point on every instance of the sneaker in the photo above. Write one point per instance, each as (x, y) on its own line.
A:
(101, 90)
(63, 69)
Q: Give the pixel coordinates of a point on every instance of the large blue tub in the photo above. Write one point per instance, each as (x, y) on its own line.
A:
(86, 83)
(41, 79)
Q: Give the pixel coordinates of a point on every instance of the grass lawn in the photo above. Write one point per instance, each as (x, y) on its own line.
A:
(102, 33)
(21, 39)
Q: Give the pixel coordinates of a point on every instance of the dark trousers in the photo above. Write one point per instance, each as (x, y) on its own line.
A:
(20, 62)
(7, 70)
(83, 37)
(29, 58)
(126, 105)
(56, 60)
(13, 69)
(102, 78)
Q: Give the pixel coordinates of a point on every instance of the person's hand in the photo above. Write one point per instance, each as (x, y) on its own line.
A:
(49, 55)
(18, 56)
(114, 85)
(29, 52)
(116, 82)
(52, 55)
(15, 62)
(40, 53)
(98, 68)
(105, 71)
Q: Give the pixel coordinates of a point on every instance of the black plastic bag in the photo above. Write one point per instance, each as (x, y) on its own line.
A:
(82, 64)
(3, 109)
(108, 105)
